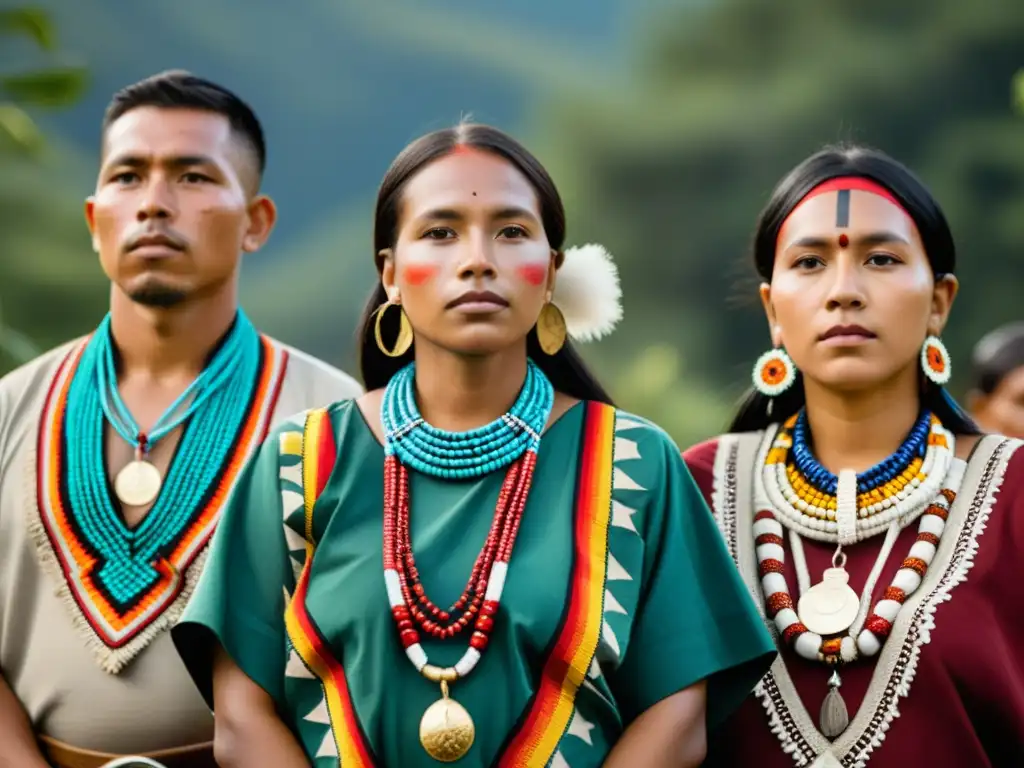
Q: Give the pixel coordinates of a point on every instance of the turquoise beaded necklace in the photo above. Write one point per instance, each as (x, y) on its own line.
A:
(184, 407)
(463, 455)
(213, 409)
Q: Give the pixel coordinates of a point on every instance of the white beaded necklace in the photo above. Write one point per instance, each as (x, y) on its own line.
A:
(848, 524)
(832, 623)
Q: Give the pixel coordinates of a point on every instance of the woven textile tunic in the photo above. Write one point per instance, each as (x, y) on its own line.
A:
(663, 605)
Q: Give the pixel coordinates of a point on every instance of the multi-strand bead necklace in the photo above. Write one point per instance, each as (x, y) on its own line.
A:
(794, 491)
(214, 407)
(510, 442)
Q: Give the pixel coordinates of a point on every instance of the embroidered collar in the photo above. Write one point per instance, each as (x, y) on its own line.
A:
(115, 629)
(790, 721)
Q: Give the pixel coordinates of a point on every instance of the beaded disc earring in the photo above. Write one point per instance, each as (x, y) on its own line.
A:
(935, 360)
(774, 373)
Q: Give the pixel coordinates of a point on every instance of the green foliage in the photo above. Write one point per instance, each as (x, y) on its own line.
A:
(53, 86)
(43, 286)
(34, 23)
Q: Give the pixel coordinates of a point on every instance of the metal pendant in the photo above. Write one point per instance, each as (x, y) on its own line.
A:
(138, 484)
(446, 729)
(831, 606)
(834, 716)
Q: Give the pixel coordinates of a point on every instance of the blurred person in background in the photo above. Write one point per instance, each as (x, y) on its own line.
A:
(996, 397)
(878, 529)
(602, 624)
(118, 450)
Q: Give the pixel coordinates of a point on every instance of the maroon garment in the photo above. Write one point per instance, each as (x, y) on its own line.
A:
(966, 701)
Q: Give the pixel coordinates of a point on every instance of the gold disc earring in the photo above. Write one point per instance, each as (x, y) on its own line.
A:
(404, 339)
(551, 329)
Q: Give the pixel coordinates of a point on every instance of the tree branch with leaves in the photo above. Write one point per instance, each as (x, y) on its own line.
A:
(52, 86)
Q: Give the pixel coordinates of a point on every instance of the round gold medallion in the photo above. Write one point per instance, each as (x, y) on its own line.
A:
(446, 730)
(138, 484)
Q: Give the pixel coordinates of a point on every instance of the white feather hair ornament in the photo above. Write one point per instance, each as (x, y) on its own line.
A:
(587, 292)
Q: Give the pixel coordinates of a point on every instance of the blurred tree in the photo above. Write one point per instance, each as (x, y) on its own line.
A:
(671, 172)
(31, 266)
(53, 86)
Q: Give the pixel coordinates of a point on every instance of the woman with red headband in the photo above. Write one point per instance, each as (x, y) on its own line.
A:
(335, 622)
(878, 530)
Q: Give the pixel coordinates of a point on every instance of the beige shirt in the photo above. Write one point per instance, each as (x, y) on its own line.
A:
(115, 686)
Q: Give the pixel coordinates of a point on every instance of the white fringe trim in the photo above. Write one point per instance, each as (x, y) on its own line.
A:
(778, 727)
(111, 660)
(724, 449)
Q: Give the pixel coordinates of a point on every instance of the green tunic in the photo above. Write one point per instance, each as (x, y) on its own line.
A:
(674, 610)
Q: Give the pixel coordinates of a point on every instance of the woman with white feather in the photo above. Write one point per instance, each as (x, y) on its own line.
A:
(335, 622)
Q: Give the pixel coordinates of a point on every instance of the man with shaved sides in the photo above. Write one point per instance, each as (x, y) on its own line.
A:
(118, 450)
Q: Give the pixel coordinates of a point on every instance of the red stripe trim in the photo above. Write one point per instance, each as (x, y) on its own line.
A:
(327, 453)
(320, 450)
(550, 711)
(55, 515)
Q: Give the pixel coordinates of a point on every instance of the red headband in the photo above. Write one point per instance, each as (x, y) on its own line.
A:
(851, 182)
(839, 183)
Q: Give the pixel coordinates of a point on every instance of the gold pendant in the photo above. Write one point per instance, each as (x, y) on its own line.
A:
(446, 730)
(138, 483)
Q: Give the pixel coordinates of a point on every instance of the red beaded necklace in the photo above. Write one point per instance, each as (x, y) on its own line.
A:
(446, 729)
(478, 604)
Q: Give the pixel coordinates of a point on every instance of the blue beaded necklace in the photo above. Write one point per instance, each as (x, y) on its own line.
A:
(822, 479)
(463, 455)
(213, 409)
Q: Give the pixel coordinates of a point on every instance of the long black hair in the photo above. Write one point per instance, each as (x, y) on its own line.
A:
(833, 162)
(566, 369)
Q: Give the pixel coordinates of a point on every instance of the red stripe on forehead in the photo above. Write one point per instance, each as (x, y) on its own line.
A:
(846, 183)
(467, 149)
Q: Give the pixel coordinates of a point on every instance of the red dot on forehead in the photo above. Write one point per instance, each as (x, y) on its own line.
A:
(534, 274)
(843, 241)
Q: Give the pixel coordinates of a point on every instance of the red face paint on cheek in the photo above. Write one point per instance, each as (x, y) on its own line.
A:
(418, 274)
(534, 274)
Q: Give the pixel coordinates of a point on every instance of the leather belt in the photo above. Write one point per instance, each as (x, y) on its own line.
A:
(62, 755)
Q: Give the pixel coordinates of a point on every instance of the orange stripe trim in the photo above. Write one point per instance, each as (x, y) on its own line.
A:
(319, 454)
(264, 388)
(550, 711)
(56, 517)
